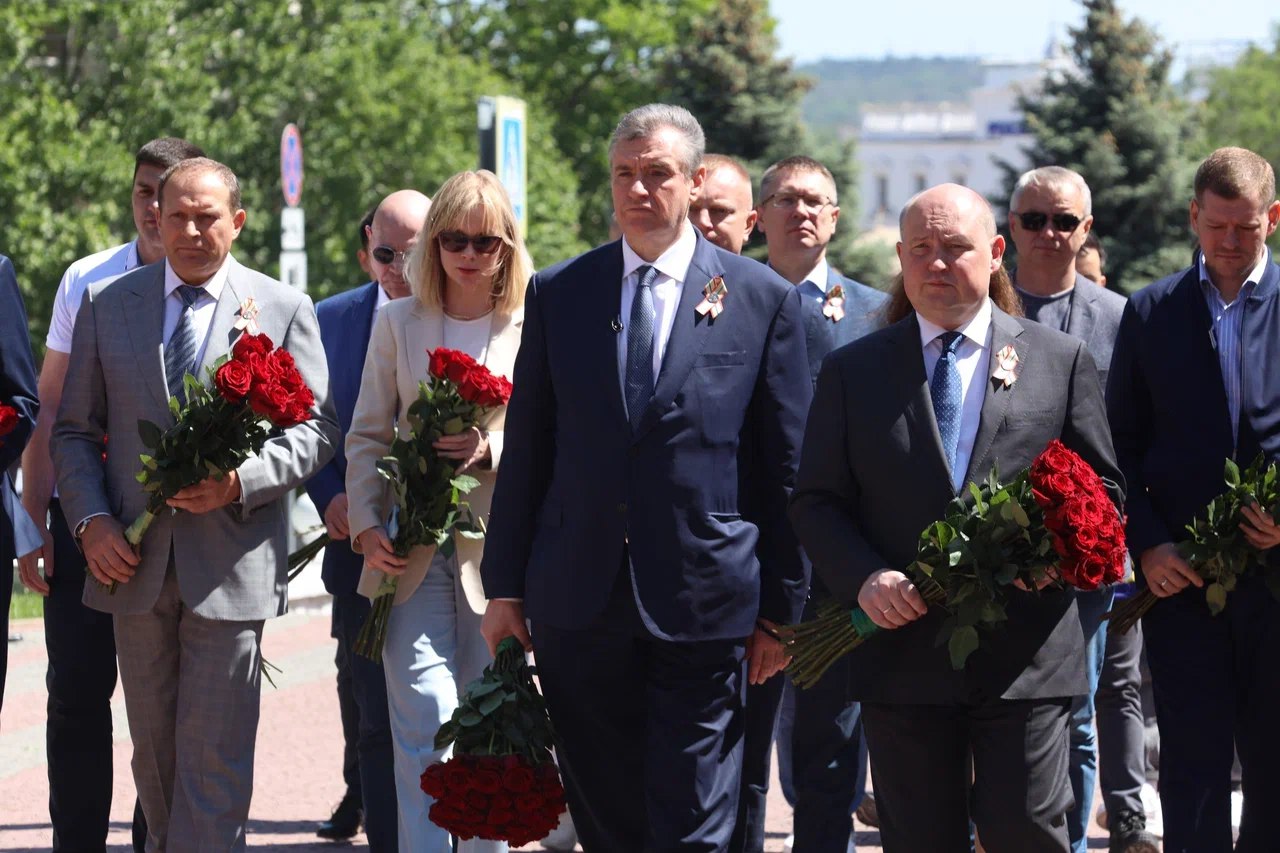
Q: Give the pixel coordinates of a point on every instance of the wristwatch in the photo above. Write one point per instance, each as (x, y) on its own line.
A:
(81, 528)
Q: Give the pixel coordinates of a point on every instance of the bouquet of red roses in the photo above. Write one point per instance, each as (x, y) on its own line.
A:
(501, 783)
(256, 387)
(1053, 520)
(8, 421)
(428, 489)
(1216, 548)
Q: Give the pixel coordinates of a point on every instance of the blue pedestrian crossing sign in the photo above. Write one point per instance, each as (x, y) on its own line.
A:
(503, 149)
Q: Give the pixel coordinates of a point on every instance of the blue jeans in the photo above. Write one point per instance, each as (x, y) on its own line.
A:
(433, 650)
(1082, 765)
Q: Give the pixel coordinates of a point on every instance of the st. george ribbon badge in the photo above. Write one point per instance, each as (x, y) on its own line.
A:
(713, 297)
(248, 320)
(833, 307)
(1006, 370)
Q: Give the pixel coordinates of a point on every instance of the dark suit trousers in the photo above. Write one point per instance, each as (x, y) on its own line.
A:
(649, 732)
(348, 711)
(1215, 677)
(920, 763)
(6, 594)
(372, 741)
(80, 678)
(761, 715)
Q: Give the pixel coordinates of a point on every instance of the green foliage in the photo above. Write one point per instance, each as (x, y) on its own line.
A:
(383, 98)
(501, 713)
(1240, 108)
(842, 86)
(1120, 124)
(588, 61)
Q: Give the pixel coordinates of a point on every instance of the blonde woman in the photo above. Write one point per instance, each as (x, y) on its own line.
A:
(467, 272)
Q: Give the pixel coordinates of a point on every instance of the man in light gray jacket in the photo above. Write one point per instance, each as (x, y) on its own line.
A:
(189, 607)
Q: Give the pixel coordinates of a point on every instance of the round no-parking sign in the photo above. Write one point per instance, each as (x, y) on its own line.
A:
(291, 164)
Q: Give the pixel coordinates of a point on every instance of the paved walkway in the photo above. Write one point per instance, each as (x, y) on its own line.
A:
(299, 754)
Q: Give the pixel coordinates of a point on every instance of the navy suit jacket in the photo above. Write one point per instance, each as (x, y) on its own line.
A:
(577, 489)
(17, 368)
(346, 321)
(1168, 406)
(863, 313)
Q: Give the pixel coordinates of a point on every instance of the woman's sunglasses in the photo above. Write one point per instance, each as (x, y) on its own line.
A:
(456, 241)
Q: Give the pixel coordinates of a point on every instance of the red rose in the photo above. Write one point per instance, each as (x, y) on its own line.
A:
(499, 817)
(233, 380)
(488, 781)
(502, 390)
(433, 781)
(456, 776)
(1060, 485)
(518, 780)
(438, 362)
(8, 420)
(477, 799)
(529, 803)
(248, 345)
(471, 387)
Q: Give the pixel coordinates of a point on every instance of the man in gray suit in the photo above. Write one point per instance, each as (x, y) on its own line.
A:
(902, 420)
(1050, 217)
(190, 606)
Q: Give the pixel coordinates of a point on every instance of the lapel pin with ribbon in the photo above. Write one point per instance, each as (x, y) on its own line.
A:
(248, 320)
(833, 307)
(713, 295)
(1007, 362)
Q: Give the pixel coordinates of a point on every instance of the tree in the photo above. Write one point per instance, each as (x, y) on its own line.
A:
(1117, 121)
(725, 70)
(1240, 108)
(382, 99)
(588, 61)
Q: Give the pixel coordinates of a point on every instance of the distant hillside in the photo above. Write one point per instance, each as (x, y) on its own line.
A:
(840, 85)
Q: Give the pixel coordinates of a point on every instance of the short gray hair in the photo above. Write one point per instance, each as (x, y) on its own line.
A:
(202, 165)
(1052, 178)
(643, 122)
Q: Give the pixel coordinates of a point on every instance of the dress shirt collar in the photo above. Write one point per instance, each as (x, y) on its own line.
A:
(212, 287)
(131, 259)
(382, 299)
(673, 263)
(1255, 277)
(819, 275)
(975, 330)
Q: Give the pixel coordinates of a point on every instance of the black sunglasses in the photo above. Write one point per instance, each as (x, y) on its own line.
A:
(456, 241)
(387, 256)
(1034, 220)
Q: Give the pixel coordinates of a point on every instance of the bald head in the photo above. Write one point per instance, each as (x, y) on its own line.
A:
(723, 211)
(394, 231)
(955, 197)
(949, 253)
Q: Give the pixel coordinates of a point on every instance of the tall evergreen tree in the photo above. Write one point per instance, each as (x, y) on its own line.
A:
(1117, 120)
(726, 70)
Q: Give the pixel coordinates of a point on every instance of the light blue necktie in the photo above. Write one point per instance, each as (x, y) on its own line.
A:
(180, 351)
(945, 390)
(639, 378)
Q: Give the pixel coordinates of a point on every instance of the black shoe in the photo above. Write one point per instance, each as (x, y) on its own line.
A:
(1129, 834)
(344, 822)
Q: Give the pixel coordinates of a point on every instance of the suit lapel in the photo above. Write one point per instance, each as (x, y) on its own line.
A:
(906, 367)
(145, 322)
(1004, 331)
(504, 342)
(688, 333)
(1080, 320)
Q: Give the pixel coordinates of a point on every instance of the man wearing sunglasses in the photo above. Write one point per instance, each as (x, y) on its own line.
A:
(346, 321)
(1050, 216)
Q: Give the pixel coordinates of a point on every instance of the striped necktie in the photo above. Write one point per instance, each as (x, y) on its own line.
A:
(180, 351)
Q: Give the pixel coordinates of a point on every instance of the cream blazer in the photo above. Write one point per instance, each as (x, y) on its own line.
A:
(403, 335)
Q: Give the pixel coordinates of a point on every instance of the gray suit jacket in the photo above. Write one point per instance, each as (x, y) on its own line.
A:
(231, 563)
(1095, 319)
(873, 475)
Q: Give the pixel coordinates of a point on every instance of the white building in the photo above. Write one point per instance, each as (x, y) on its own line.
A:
(904, 148)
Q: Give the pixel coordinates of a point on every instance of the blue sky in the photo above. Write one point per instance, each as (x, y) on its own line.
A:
(1006, 29)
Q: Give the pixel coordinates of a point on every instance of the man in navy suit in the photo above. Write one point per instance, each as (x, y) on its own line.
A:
(822, 756)
(17, 389)
(346, 321)
(1195, 379)
(617, 523)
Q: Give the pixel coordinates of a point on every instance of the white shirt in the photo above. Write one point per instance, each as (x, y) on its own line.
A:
(76, 280)
(201, 310)
(672, 266)
(973, 358)
(469, 336)
(382, 299)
